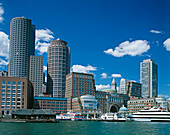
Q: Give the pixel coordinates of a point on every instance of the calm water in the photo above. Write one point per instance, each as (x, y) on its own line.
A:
(85, 128)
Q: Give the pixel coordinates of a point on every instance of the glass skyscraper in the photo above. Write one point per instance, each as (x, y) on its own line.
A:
(149, 78)
(58, 66)
(22, 44)
(122, 86)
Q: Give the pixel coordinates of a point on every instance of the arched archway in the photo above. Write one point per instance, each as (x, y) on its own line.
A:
(114, 108)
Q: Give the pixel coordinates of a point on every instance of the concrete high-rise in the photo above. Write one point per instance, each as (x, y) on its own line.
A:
(22, 44)
(149, 78)
(36, 74)
(58, 66)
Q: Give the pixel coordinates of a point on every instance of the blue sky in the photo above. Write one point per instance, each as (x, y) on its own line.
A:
(105, 36)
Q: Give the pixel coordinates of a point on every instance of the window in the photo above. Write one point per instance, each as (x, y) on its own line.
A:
(19, 87)
(3, 90)
(18, 91)
(13, 83)
(9, 83)
(8, 91)
(13, 91)
(3, 82)
(19, 83)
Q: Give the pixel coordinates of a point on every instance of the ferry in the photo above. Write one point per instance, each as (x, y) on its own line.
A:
(155, 114)
(74, 116)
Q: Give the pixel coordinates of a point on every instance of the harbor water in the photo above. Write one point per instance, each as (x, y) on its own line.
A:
(86, 128)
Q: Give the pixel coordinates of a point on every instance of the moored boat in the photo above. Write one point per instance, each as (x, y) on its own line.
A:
(155, 114)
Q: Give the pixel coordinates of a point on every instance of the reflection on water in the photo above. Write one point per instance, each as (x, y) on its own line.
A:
(86, 128)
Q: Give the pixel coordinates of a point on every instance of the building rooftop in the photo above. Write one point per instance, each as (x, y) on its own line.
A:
(50, 98)
(34, 112)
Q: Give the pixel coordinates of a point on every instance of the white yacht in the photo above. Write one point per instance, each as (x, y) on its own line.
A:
(114, 117)
(155, 114)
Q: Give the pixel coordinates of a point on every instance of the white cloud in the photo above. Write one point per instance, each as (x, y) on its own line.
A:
(116, 75)
(167, 44)
(42, 47)
(100, 87)
(83, 69)
(4, 45)
(1, 13)
(104, 75)
(155, 31)
(3, 62)
(45, 68)
(43, 38)
(133, 48)
(132, 80)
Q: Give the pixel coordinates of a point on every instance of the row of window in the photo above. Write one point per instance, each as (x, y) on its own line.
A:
(13, 83)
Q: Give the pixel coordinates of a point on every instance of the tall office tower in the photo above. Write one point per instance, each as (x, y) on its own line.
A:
(122, 86)
(22, 44)
(149, 78)
(58, 66)
(78, 84)
(133, 89)
(114, 85)
(36, 74)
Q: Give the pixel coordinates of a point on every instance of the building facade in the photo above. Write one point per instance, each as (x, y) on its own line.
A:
(15, 93)
(133, 89)
(3, 73)
(58, 66)
(149, 78)
(78, 84)
(57, 105)
(139, 104)
(87, 105)
(22, 44)
(36, 74)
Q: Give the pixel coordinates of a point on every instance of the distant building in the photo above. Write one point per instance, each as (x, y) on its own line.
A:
(133, 89)
(87, 105)
(36, 74)
(161, 102)
(57, 105)
(3, 73)
(139, 104)
(78, 84)
(16, 93)
(22, 45)
(58, 66)
(108, 100)
(114, 85)
(122, 86)
(147, 103)
(149, 78)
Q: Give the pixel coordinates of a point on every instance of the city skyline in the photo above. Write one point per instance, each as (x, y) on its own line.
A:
(93, 31)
